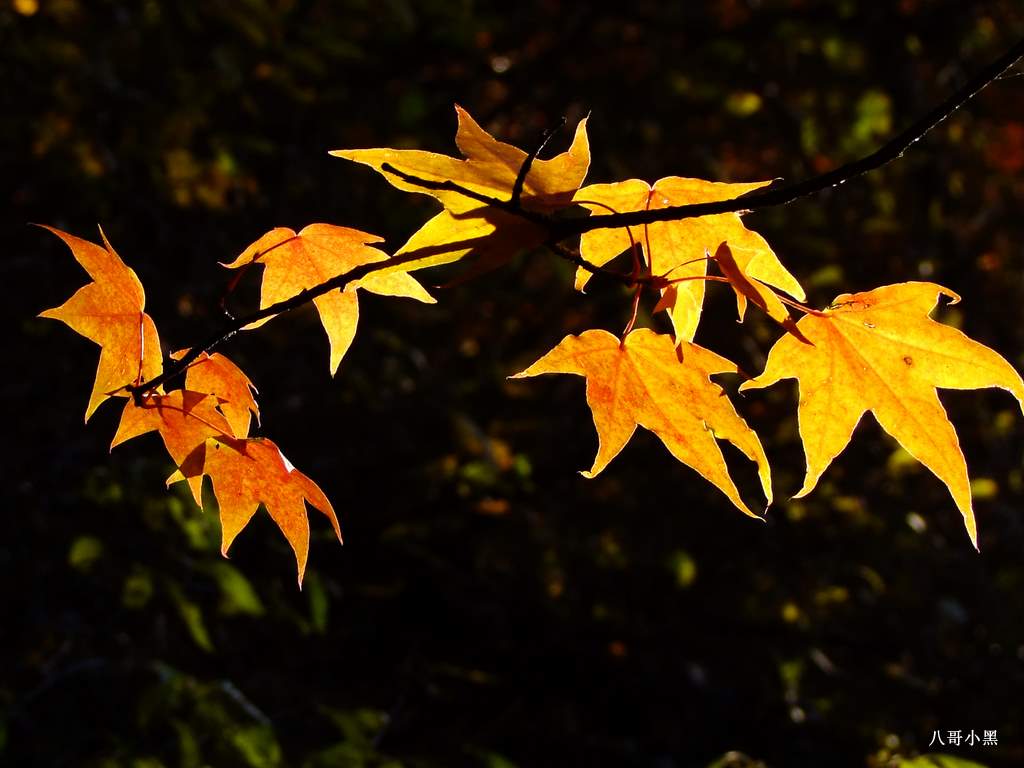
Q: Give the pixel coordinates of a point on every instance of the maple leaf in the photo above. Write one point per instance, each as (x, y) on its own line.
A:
(646, 380)
(879, 351)
(293, 262)
(490, 168)
(247, 473)
(746, 287)
(676, 249)
(491, 235)
(109, 311)
(184, 420)
(215, 374)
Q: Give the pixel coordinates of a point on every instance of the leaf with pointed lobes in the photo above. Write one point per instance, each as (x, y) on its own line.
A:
(646, 380)
(470, 227)
(493, 239)
(490, 168)
(293, 262)
(184, 420)
(247, 473)
(109, 312)
(879, 351)
(677, 249)
(218, 376)
(735, 270)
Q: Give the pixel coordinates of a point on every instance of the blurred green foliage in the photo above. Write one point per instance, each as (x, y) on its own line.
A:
(491, 607)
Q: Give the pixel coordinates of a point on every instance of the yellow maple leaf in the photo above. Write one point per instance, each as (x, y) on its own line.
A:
(676, 249)
(293, 262)
(490, 168)
(879, 351)
(646, 380)
(493, 237)
(109, 311)
(735, 267)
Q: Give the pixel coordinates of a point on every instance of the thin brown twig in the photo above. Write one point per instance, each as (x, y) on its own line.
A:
(637, 293)
(237, 324)
(452, 186)
(524, 169)
(797, 305)
(571, 256)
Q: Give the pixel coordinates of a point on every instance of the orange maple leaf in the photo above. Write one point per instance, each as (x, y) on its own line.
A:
(184, 420)
(646, 380)
(490, 167)
(294, 262)
(676, 249)
(109, 311)
(878, 351)
(247, 473)
(217, 375)
(735, 269)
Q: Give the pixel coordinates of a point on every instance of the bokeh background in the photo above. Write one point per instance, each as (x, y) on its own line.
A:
(491, 607)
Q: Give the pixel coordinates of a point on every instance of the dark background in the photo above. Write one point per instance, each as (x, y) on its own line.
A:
(491, 607)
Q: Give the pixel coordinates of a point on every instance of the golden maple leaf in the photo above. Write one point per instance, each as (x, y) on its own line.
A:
(646, 380)
(879, 351)
(247, 473)
(676, 249)
(735, 268)
(468, 226)
(109, 311)
(217, 375)
(293, 262)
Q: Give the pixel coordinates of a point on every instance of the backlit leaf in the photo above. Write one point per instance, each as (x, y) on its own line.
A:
(646, 380)
(490, 168)
(735, 267)
(676, 249)
(247, 473)
(184, 420)
(217, 375)
(109, 311)
(878, 351)
(293, 262)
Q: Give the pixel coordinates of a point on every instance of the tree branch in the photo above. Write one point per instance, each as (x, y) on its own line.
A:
(783, 195)
(238, 323)
(575, 258)
(563, 228)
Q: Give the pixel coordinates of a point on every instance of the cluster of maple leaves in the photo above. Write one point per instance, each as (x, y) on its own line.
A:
(874, 351)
